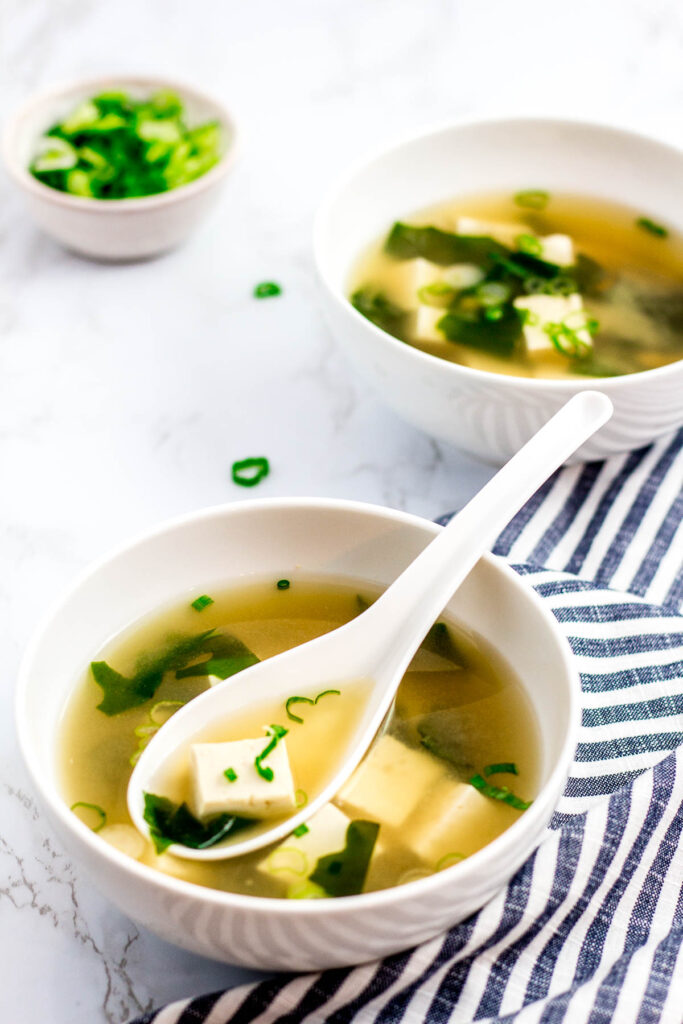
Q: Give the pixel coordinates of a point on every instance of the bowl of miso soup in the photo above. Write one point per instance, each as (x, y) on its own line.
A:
(481, 274)
(449, 801)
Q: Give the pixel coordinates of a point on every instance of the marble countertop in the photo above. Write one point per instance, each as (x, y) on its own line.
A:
(126, 392)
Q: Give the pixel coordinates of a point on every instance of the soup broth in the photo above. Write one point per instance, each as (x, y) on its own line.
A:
(469, 291)
(455, 764)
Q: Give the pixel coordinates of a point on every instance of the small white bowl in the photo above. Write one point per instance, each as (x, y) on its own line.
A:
(115, 229)
(488, 414)
(266, 540)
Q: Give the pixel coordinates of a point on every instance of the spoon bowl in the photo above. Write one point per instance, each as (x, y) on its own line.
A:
(378, 645)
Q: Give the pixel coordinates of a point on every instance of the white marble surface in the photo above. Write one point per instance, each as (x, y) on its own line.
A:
(127, 392)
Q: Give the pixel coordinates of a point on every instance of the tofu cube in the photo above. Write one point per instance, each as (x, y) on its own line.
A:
(454, 817)
(250, 795)
(423, 323)
(295, 858)
(408, 277)
(557, 249)
(505, 233)
(390, 783)
(545, 309)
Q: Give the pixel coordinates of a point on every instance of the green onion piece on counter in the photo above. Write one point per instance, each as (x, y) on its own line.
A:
(276, 733)
(230, 774)
(504, 768)
(301, 830)
(202, 602)
(658, 230)
(501, 793)
(249, 472)
(96, 809)
(266, 290)
(532, 199)
(283, 584)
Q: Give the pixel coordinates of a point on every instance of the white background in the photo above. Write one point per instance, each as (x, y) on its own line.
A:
(127, 392)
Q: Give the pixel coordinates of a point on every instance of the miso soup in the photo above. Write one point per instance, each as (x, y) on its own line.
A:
(531, 284)
(455, 764)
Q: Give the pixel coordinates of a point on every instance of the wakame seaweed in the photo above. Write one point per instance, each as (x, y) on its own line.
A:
(377, 308)
(175, 823)
(406, 241)
(344, 873)
(228, 655)
(478, 330)
(439, 640)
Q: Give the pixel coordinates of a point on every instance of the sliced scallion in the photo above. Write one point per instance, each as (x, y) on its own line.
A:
(306, 700)
(249, 472)
(532, 199)
(529, 244)
(202, 602)
(283, 584)
(301, 798)
(267, 290)
(230, 774)
(301, 830)
(501, 793)
(658, 230)
(276, 733)
(96, 809)
(502, 768)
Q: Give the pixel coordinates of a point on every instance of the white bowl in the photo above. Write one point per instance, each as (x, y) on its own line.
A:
(115, 229)
(492, 415)
(269, 539)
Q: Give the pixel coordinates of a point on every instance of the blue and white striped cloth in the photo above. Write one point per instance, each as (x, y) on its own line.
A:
(590, 930)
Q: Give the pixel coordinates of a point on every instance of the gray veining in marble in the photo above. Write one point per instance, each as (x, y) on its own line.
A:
(126, 392)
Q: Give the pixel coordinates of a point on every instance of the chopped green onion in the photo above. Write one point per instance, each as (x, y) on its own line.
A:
(301, 798)
(504, 768)
(566, 337)
(436, 294)
(447, 860)
(529, 244)
(115, 147)
(230, 774)
(560, 285)
(288, 858)
(501, 793)
(101, 815)
(533, 199)
(202, 602)
(249, 472)
(145, 731)
(306, 891)
(654, 229)
(301, 830)
(266, 290)
(283, 584)
(296, 700)
(493, 293)
(494, 313)
(276, 733)
(306, 700)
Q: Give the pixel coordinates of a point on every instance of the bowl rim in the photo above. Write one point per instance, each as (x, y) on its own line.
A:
(475, 865)
(131, 204)
(426, 359)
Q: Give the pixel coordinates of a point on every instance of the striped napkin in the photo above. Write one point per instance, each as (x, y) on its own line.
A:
(591, 928)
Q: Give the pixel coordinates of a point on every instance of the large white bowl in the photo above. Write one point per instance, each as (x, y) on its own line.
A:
(492, 415)
(269, 539)
(115, 229)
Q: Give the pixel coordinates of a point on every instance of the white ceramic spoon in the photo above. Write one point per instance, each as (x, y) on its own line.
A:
(378, 645)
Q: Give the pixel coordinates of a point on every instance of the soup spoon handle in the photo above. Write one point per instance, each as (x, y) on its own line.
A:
(404, 613)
